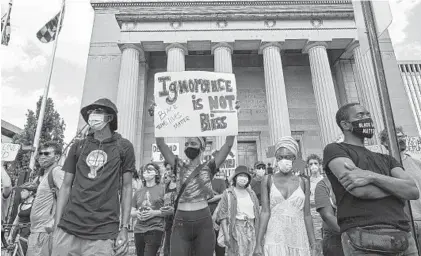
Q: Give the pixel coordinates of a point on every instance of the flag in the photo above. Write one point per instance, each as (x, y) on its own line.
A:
(382, 16)
(5, 24)
(48, 33)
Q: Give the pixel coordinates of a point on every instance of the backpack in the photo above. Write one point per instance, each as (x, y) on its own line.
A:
(80, 149)
(53, 188)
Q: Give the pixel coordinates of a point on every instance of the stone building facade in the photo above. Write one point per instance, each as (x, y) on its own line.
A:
(295, 61)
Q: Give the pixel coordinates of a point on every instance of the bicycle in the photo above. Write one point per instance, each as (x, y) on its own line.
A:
(15, 249)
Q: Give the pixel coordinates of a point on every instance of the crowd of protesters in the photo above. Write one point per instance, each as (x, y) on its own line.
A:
(350, 202)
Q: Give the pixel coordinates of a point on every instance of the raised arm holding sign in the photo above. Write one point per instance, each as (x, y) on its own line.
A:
(194, 105)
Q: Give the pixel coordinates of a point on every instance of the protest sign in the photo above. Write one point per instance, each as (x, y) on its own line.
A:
(157, 155)
(413, 147)
(9, 151)
(227, 168)
(195, 103)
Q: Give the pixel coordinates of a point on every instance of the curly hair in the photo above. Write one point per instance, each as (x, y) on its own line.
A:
(157, 176)
(384, 137)
(314, 157)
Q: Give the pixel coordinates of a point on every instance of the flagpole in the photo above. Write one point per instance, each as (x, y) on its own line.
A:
(3, 32)
(46, 89)
(380, 76)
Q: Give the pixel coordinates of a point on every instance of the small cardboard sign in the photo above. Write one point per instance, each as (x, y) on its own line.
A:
(9, 151)
(157, 155)
(227, 168)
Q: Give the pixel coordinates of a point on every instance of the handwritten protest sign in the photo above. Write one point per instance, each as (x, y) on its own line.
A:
(157, 155)
(9, 151)
(227, 168)
(195, 103)
(413, 147)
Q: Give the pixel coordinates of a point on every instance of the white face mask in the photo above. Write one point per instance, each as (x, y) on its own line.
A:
(96, 121)
(314, 169)
(242, 181)
(149, 175)
(285, 165)
(260, 172)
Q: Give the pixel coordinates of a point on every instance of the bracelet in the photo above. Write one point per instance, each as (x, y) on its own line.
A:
(126, 226)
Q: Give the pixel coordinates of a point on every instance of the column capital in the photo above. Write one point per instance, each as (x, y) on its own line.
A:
(314, 44)
(349, 52)
(124, 46)
(269, 44)
(177, 45)
(222, 44)
(351, 47)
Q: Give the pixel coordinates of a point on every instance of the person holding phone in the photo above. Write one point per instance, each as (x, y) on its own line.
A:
(146, 205)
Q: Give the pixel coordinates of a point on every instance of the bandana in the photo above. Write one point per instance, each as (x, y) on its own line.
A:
(287, 142)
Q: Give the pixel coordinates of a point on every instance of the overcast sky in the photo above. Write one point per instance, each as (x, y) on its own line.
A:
(24, 63)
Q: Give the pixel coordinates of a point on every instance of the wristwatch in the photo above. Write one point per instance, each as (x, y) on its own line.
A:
(126, 226)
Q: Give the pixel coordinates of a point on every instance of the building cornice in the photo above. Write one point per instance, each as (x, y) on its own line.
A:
(157, 3)
(287, 15)
(128, 11)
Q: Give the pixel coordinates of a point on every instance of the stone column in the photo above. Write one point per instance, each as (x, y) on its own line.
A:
(141, 116)
(127, 92)
(223, 63)
(176, 62)
(324, 91)
(278, 114)
(366, 85)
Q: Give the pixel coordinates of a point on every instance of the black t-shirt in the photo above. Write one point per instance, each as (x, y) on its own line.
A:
(93, 210)
(357, 212)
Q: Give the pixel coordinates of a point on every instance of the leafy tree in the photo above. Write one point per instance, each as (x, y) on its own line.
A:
(52, 129)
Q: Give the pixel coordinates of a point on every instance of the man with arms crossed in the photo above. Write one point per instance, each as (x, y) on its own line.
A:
(88, 205)
(370, 190)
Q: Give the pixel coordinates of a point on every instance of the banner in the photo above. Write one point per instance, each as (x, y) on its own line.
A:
(157, 155)
(9, 151)
(195, 103)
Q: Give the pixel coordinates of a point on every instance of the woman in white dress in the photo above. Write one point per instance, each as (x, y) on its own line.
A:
(286, 226)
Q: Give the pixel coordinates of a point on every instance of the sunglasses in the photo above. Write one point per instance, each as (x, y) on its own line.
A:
(287, 157)
(45, 153)
(97, 110)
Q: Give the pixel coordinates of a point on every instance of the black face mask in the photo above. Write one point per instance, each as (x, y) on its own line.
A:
(363, 128)
(192, 153)
(402, 145)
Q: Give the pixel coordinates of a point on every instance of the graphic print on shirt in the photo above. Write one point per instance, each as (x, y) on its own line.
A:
(95, 160)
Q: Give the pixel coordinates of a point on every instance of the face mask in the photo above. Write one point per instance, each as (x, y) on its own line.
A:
(96, 121)
(46, 162)
(242, 181)
(149, 175)
(285, 165)
(192, 153)
(402, 145)
(363, 128)
(260, 172)
(314, 168)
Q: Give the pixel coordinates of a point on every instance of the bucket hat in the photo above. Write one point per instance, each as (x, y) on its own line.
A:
(105, 103)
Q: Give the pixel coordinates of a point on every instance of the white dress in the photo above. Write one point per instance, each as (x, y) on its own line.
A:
(286, 232)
